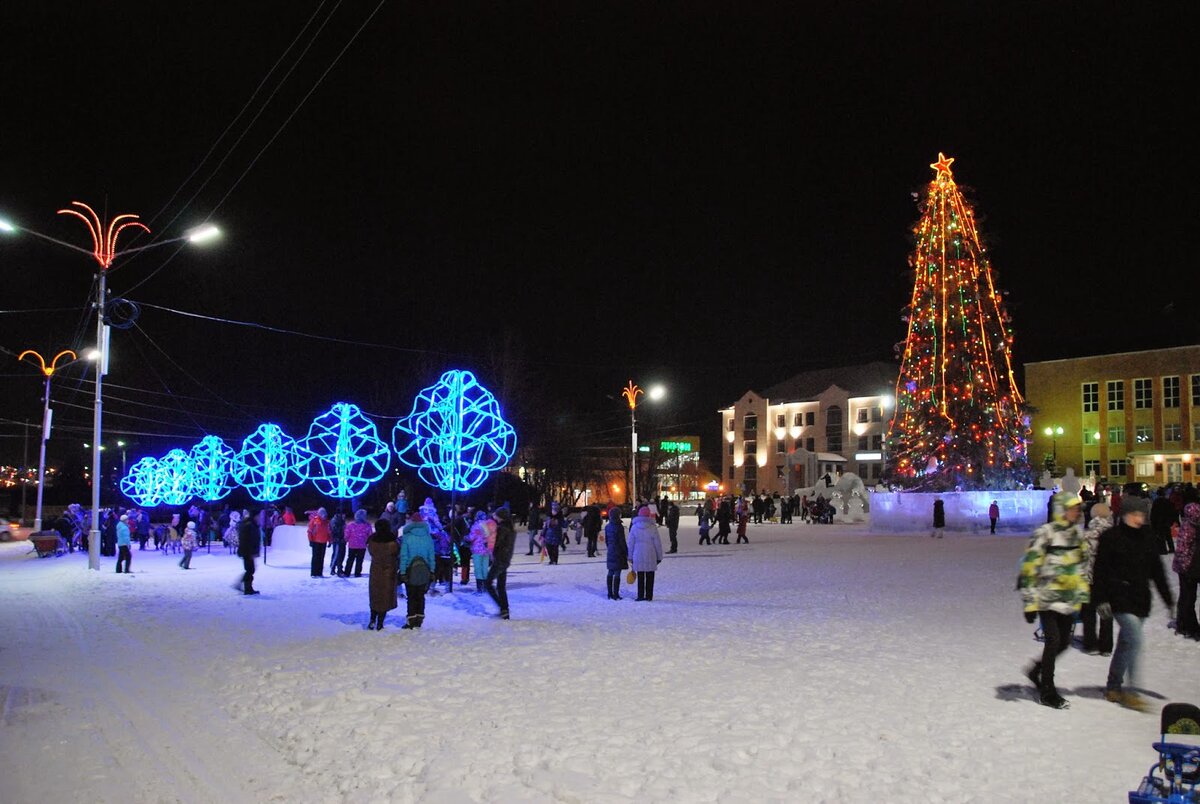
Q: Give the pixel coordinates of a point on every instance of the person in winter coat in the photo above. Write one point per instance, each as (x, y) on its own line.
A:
(416, 543)
(672, 520)
(393, 518)
(724, 517)
(1053, 585)
(1162, 516)
(357, 533)
(645, 551)
(616, 552)
(1187, 567)
(533, 527)
(188, 543)
(553, 532)
(591, 528)
(124, 537)
(939, 517)
(743, 519)
(249, 538)
(994, 514)
(1126, 561)
(385, 558)
(318, 539)
(1102, 644)
(502, 553)
(337, 543)
(481, 554)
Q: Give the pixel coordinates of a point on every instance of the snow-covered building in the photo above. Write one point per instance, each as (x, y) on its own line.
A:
(839, 415)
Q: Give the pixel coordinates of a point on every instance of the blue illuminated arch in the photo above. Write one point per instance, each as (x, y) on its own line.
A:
(140, 483)
(173, 478)
(270, 463)
(346, 454)
(212, 464)
(455, 435)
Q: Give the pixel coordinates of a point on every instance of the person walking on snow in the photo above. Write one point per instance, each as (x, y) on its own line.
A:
(1053, 585)
(481, 554)
(416, 547)
(337, 543)
(672, 521)
(994, 514)
(645, 551)
(124, 536)
(502, 553)
(318, 539)
(1187, 567)
(1126, 561)
(188, 543)
(616, 552)
(249, 539)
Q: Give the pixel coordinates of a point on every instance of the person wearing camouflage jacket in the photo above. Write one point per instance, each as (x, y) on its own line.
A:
(1054, 586)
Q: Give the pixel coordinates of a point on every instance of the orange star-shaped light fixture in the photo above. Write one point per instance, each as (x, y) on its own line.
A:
(942, 166)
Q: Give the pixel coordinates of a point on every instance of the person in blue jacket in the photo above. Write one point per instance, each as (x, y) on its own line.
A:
(123, 539)
(617, 557)
(416, 542)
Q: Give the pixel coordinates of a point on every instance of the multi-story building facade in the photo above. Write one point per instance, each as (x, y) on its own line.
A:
(1133, 416)
(838, 415)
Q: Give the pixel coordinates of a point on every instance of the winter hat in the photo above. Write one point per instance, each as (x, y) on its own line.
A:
(614, 514)
(124, 517)
(191, 526)
(1135, 505)
(321, 512)
(644, 511)
(1100, 511)
(360, 515)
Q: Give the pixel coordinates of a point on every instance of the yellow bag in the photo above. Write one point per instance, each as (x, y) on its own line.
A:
(630, 577)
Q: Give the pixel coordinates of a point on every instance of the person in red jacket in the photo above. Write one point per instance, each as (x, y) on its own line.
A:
(318, 537)
(994, 514)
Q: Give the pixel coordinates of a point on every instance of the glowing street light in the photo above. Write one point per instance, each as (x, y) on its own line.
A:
(1054, 433)
(47, 414)
(203, 233)
(7, 227)
(631, 392)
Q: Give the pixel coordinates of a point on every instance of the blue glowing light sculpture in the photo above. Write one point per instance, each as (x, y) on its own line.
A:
(212, 464)
(173, 478)
(140, 483)
(270, 463)
(455, 435)
(345, 452)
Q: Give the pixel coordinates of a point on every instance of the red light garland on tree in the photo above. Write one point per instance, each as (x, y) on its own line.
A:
(959, 420)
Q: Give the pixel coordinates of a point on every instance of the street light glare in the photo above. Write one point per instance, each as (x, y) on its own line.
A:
(6, 226)
(203, 234)
(92, 354)
(656, 393)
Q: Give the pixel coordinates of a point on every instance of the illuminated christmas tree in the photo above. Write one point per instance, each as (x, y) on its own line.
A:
(959, 419)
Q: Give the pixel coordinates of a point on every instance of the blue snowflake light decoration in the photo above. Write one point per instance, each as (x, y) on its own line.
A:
(345, 452)
(140, 483)
(270, 463)
(173, 478)
(455, 435)
(212, 464)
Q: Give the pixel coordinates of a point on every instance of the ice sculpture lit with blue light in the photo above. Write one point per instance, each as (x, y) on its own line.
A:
(140, 483)
(270, 463)
(212, 464)
(345, 452)
(173, 478)
(455, 435)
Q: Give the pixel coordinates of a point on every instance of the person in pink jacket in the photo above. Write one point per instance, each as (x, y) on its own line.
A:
(357, 533)
(482, 536)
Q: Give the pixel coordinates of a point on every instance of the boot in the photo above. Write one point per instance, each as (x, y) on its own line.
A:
(1034, 673)
(1050, 697)
(379, 624)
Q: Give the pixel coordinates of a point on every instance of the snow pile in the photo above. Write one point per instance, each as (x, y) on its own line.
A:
(817, 663)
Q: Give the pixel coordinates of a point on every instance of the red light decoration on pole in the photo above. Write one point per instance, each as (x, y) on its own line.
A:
(104, 238)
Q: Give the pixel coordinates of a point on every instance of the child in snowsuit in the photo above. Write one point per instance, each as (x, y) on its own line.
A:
(743, 518)
(481, 550)
(188, 543)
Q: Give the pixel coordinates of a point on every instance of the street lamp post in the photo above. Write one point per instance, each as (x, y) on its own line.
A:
(47, 413)
(1054, 433)
(631, 392)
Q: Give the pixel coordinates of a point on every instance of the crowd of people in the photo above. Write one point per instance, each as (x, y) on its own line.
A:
(1095, 561)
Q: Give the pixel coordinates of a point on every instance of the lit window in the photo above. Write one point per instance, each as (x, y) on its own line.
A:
(1116, 435)
(780, 420)
(1143, 434)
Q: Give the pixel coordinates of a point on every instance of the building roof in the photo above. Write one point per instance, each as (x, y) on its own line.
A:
(867, 379)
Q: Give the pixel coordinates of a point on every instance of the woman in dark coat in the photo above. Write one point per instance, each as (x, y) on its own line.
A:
(939, 518)
(385, 552)
(617, 557)
(502, 553)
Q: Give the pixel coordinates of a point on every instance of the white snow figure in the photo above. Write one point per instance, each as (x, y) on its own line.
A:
(1070, 483)
(853, 511)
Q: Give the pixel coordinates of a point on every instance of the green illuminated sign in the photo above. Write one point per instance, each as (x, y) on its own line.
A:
(675, 446)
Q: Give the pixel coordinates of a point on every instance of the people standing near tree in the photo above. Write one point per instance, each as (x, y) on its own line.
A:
(188, 543)
(481, 553)
(1053, 585)
(289, 518)
(357, 534)
(616, 557)
(318, 539)
(416, 566)
(994, 514)
(552, 533)
(460, 536)
(337, 543)
(381, 586)
(1162, 517)
(939, 517)
(1102, 642)
(1187, 567)
(402, 508)
(124, 537)
(645, 551)
(249, 541)
(502, 553)
(592, 522)
(672, 521)
(1126, 561)
(443, 550)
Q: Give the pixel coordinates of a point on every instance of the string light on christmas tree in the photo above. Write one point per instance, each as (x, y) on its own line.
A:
(270, 463)
(346, 454)
(959, 420)
(455, 435)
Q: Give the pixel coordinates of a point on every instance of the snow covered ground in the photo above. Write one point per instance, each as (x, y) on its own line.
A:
(818, 663)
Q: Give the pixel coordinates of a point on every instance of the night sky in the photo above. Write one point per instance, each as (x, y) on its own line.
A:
(711, 196)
